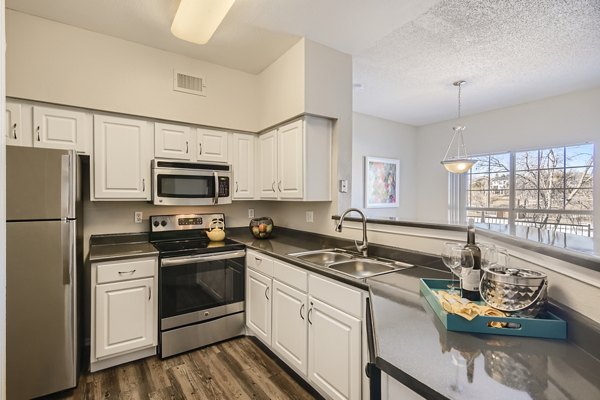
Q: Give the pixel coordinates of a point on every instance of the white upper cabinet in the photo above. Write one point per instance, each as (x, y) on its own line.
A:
(212, 145)
(295, 161)
(58, 128)
(267, 165)
(14, 130)
(121, 161)
(290, 160)
(243, 166)
(172, 141)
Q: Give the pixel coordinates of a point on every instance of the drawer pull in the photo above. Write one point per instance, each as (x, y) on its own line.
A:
(302, 308)
(309, 311)
(149, 292)
(127, 272)
(258, 260)
(37, 129)
(15, 130)
(267, 293)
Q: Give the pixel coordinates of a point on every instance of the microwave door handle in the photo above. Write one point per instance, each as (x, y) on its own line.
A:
(216, 198)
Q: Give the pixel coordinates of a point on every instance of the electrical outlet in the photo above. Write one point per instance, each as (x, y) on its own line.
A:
(138, 217)
(309, 216)
(251, 213)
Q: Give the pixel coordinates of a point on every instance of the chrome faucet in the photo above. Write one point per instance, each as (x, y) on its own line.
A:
(365, 244)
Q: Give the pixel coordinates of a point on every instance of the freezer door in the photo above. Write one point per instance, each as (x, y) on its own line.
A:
(40, 308)
(40, 183)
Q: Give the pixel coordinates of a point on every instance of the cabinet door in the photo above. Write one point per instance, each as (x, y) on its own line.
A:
(124, 316)
(258, 305)
(267, 165)
(243, 166)
(334, 351)
(122, 154)
(172, 141)
(14, 132)
(212, 146)
(55, 128)
(290, 146)
(290, 331)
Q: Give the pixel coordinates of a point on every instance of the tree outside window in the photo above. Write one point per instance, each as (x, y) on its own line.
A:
(547, 188)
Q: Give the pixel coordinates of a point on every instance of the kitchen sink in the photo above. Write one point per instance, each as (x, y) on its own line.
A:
(364, 268)
(324, 257)
(350, 264)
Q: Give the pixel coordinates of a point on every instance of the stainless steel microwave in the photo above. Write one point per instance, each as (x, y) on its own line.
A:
(176, 183)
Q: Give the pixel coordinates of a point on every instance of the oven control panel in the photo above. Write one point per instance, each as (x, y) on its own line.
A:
(163, 223)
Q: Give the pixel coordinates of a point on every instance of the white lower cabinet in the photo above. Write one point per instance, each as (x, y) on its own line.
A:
(290, 330)
(124, 314)
(334, 358)
(258, 305)
(314, 324)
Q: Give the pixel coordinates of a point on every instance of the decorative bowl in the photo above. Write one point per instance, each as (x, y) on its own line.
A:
(261, 227)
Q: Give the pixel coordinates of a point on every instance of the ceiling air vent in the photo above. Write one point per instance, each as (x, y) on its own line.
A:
(188, 83)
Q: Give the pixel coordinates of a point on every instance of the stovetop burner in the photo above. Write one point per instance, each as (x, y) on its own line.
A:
(183, 235)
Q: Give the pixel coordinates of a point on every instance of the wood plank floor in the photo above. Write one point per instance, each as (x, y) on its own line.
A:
(236, 369)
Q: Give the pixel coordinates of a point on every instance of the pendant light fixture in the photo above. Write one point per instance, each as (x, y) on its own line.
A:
(461, 162)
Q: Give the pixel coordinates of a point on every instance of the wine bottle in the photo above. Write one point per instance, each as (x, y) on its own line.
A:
(470, 283)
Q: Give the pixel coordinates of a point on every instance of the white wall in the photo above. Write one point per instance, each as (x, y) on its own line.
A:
(282, 87)
(376, 137)
(58, 63)
(556, 121)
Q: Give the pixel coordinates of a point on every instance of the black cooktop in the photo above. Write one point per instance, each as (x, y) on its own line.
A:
(183, 247)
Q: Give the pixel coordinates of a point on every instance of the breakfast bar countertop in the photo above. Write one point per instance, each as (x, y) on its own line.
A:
(414, 347)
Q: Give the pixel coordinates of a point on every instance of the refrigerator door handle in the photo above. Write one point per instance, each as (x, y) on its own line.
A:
(68, 185)
(68, 247)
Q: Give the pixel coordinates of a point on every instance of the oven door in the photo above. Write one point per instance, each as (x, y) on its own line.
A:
(172, 187)
(201, 287)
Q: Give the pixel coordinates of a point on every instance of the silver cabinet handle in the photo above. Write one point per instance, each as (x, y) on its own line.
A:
(279, 185)
(15, 130)
(38, 133)
(273, 186)
(143, 185)
(236, 186)
(200, 148)
(187, 147)
(301, 308)
(127, 272)
(309, 311)
(257, 260)
(267, 292)
(149, 292)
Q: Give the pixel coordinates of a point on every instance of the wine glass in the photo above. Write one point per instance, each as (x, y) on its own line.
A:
(465, 264)
(489, 255)
(503, 258)
(451, 259)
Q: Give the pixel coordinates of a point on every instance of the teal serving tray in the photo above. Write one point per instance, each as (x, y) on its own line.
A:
(546, 325)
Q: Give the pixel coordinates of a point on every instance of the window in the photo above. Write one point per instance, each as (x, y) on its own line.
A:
(547, 188)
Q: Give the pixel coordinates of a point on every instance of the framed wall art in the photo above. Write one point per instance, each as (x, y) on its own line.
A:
(381, 182)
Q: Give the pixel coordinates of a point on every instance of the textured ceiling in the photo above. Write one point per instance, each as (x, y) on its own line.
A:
(406, 52)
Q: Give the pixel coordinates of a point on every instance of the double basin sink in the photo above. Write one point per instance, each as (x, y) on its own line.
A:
(349, 263)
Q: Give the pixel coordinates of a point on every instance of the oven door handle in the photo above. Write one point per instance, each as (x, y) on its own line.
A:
(170, 262)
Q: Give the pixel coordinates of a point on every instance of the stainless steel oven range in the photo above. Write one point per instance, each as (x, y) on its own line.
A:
(201, 283)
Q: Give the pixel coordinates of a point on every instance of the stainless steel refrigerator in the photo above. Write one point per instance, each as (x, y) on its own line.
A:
(42, 264)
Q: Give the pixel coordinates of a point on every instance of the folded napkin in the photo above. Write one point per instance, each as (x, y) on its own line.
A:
(454, 304)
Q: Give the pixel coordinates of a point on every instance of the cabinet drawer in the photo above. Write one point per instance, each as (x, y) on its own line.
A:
(125, 270)
(336, 294)
(292, 276)
(260, 263)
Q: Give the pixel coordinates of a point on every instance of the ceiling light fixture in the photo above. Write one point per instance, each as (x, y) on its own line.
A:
(460, 163)
(197, 20)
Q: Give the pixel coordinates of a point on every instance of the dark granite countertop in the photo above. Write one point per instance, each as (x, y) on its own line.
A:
(414, 347)
(120, 246)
